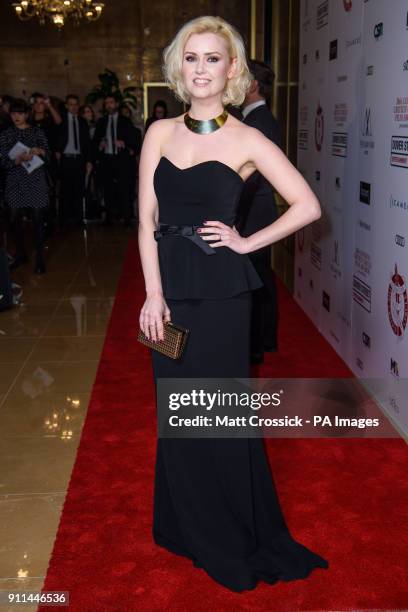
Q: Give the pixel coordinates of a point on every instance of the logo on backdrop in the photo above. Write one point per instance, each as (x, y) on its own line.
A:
(340, 113)
(397, 302)
(362, 261)
(399, 240)
(367, 142)
(322, 14)
(399, 151)
(303, 132)
(378, 30)
(367, 129)
(306, 18)
(326, 301)
(353, 41)
(335, 265)
(339, 144)
(339, 139)
(400, 111)
(365, 193)
(394, 404)
(370, 70)
(364, 225)
(361, 290)
(315, 249)
(303, 139)
(366, 339)
(319, 127)
(394, 368)
(333, 49)
(405, 66)
(348, 5)
(361, 293)
(303, 114)
(396, 203)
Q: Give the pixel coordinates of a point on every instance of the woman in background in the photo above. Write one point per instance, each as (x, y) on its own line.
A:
(159, 112)
(93, 188)
(25, 189)
(87, 112)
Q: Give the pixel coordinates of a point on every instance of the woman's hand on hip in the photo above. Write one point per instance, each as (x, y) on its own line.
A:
(224, 235)
(152, 316)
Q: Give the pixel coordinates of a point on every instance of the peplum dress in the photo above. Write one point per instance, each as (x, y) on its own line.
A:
(215, 501)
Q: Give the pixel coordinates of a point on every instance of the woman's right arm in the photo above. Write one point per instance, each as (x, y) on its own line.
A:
(155, 309)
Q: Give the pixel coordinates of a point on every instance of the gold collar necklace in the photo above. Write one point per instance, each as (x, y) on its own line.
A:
(205, 126)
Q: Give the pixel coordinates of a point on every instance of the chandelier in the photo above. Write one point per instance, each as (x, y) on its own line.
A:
(58, 11)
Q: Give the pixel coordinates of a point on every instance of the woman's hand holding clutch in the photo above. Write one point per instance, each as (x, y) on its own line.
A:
(152, 316)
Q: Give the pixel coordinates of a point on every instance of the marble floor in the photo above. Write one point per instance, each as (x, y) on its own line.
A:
(50, 346)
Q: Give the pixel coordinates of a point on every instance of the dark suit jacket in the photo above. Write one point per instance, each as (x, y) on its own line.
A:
(125, 131)
(84, 138)
(257, 206)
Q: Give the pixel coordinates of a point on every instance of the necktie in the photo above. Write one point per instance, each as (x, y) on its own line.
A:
(76, 142)
(112, 125)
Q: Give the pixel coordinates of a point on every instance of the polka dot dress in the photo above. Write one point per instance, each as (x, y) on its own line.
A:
(23, 189)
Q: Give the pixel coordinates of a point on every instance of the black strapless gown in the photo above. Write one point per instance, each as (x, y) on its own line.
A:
(215, 501)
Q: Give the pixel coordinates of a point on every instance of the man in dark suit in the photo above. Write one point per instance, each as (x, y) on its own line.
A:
(116, 144)
(256, 209)
(73, 150)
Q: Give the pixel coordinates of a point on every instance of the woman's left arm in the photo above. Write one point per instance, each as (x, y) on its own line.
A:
(304, 207)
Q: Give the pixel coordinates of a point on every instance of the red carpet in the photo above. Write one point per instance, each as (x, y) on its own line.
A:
(345, 499)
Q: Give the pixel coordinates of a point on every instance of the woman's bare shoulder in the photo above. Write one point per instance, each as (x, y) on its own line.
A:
(156, 136)
(241, 129)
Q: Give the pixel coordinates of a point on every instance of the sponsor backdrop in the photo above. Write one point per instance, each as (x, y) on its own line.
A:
(351, 266)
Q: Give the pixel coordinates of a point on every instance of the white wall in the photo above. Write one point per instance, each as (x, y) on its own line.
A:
(351, 267)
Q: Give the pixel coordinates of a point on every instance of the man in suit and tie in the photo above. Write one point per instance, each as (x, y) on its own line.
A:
(73, 150)
(256, 209)
(116, 144)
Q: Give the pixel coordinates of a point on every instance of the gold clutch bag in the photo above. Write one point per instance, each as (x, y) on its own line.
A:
(172, 346)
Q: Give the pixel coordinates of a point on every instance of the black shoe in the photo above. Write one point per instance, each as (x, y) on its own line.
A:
(256, 358)
(18, 261)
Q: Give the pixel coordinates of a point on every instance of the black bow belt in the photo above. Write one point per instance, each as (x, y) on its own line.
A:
(187, 231)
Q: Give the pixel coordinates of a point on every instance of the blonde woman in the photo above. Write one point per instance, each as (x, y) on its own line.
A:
(214, 499)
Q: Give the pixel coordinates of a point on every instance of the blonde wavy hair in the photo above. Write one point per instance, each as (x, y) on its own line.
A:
(236, 87)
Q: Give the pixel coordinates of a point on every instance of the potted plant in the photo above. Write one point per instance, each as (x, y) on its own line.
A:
(109, 84)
